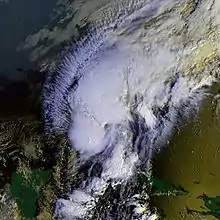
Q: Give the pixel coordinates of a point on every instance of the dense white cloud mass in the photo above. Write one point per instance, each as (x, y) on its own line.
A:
(125, 86)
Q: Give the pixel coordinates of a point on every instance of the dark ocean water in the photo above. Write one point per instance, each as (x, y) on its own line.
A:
(18, 19)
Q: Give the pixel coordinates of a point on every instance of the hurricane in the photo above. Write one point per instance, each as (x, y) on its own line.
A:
(120, 91)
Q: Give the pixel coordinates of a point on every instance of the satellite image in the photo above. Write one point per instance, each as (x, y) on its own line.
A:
(110, 110)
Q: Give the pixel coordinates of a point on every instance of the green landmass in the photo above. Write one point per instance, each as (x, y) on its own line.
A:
(33, 167)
